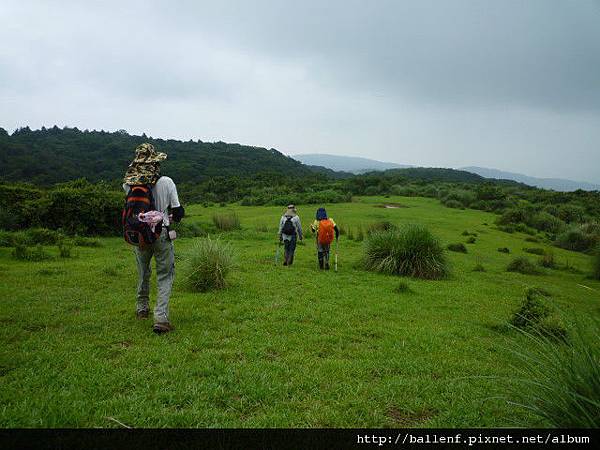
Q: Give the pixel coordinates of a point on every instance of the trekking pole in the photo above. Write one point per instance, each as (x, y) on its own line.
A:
(335, 262)
(278, 248)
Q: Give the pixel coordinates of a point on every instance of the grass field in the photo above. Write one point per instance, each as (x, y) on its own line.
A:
(279, 347)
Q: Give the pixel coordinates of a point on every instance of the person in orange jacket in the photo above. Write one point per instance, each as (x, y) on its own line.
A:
(325, 229)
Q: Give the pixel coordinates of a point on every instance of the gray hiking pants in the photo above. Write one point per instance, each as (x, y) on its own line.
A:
(163, 253)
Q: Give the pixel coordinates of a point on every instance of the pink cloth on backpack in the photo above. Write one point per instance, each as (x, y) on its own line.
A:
(152, 218)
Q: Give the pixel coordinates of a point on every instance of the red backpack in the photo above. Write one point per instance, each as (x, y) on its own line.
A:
(139, 199)
(326, 232)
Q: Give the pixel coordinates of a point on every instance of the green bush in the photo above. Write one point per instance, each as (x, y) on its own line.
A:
(560, 383)
(384, 225)
(207, 265)
(24, 253)
(532, 310)
(546, 222)
(10, 219)
(523, 265)
(403, 288)
(453, 204)
(65, 246)
(534, 250)
(504, 250)
(411, 251)
(578, 238)
(360, 234)
(458, 247)
(471, 240)
(81, 241)
(479, 268)
(226, 222)
(547, 260)
(190, 229)
(42, 236)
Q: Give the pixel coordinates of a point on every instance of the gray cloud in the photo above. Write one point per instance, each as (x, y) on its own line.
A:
(512, 85)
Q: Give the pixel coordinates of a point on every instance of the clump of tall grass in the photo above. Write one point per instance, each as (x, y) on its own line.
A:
(523, 265)
(403, 288)
(226, 222)
(560, 382)
(471, 240)
(65, 247)
(207, 265)
(411, 250)
(384, 225)
(24, 253)
(189, 229)
(479, 268)
(458, 247)
(547, 260)
(504, 250)
(360, 234)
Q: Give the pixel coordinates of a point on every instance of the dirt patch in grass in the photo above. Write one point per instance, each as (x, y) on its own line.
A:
(410, 418)
(391, 206)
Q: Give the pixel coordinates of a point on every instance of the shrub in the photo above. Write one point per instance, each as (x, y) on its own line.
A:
(24, 253)
(576, 239)
(9, 219)
(190, 229)
(81, 241)
(478, 268)
(523, 265)
(534, 250)
(42, 236)
(471, 240)
(458, 247)
(531, 311)
(571, 213)
(544, 221)
(402, 288)
(547, 260)
(531, 239)
(560, 383)
(384, 225)
(65, 246)
(596, 264)
(207, 265)
(504, 250)
(411, 251)
(453, 204)
(226, 222)
(360, 235)
(466, 233)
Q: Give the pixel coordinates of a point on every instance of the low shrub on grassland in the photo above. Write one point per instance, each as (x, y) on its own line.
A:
(207, 265)
(226, 222)
(457, 247)
(411, 250)
(523, 265)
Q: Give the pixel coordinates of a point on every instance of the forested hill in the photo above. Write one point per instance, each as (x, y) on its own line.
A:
(56, 155)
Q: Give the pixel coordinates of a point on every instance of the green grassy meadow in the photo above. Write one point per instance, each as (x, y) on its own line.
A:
(279, 347)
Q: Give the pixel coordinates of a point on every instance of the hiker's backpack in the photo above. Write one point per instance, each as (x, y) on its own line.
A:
(139, 199)
(288, 227)
(326, 232)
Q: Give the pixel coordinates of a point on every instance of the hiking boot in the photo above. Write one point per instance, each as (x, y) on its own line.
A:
(162, 327)
(143, 314)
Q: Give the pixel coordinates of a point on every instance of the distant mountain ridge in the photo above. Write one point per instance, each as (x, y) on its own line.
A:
(556, 184)
(352, 164)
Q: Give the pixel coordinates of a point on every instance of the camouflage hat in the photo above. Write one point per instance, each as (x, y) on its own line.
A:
(145, 167)
(145, 153)
(142, 173)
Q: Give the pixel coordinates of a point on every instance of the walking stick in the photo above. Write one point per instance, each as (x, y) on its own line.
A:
(277, 253)
(335, 263)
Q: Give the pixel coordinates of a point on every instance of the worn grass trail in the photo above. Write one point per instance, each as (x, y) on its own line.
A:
(279, 346)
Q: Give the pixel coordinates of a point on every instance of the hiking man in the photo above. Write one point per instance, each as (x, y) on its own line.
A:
(325, 228)
(162, 207)
(289, 228)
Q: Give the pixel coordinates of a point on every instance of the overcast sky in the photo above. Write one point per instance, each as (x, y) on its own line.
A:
(513, 85)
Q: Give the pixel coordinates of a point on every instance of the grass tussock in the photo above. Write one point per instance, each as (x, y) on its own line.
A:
(411, 250)
(471, 240)
(34, 254)
(226, 222)
(523, 265)
(384, 225)
(207, 265)
(479, 268)
(534, 250)
(560, 382)
(504, 250)
(403, 288)
(457, 247)
(547, 260)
